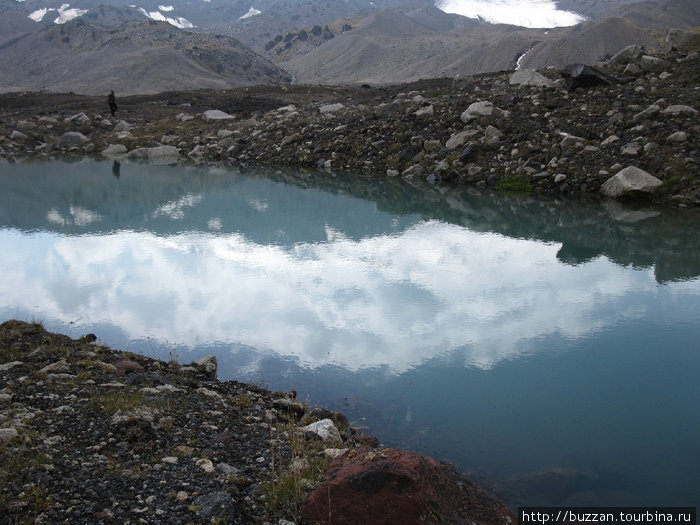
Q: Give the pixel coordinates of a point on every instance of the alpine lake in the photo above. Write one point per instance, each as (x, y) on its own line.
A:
(550, 349)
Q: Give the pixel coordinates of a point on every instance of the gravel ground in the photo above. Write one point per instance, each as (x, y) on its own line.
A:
(93, 435)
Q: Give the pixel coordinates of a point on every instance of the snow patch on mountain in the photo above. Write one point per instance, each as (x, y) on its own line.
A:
(65, 14)
(525, 13)
(251, 12)
(180, 22)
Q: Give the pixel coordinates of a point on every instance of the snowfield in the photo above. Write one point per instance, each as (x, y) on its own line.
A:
(526, 13)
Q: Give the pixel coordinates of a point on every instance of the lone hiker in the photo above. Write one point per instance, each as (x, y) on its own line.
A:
(112, 101)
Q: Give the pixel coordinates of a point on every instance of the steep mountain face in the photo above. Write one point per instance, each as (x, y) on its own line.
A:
(136, 57)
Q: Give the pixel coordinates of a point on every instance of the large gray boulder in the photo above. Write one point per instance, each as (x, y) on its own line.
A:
(157, 155)
(630, 181)
(71, 138)
(325, 429)
(529, 77)
(163, 155)
(215, 114)
(627, 55)
(682, 40)
(114, 151)
(482, 108)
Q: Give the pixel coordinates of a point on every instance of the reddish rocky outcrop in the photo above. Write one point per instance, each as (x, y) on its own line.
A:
(390, 486)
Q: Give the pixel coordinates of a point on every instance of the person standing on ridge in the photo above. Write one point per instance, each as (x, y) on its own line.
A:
(112, 101)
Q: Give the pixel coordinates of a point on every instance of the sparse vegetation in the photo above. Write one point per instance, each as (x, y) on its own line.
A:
(514, 184)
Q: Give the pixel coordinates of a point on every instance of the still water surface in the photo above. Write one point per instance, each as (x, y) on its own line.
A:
(550, 349)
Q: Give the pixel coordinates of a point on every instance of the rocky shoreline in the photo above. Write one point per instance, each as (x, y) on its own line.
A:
(89, 434)
(632, 118)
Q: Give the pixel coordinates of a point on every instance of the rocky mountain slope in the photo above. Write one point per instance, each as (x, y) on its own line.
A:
(404, 44)
(135, 57)
(358, 41)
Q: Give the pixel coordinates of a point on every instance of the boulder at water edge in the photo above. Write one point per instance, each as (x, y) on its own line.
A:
(628, 182)
(390, 486)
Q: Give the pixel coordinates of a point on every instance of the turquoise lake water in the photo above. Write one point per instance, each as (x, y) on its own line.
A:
(549, 349)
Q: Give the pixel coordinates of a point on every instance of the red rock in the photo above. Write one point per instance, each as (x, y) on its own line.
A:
(388, 486)
(127, 366)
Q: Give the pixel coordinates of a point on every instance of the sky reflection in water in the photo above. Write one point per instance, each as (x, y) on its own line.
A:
(390, 301)
(549, 347)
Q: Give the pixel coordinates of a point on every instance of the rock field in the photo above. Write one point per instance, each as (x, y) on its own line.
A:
(551, 132)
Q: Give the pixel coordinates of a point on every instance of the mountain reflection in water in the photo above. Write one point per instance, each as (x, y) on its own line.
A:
(448, 318)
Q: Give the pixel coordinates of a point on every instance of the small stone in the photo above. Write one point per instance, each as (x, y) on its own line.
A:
(335, 452)
(570, 141)
(459, 139)
(121, 126)
(210, 366)
(8, 366)
(529, 77)
(610, 140)
(632, 149)
(55, 368)
(432, 145)
(325, 429)
(114, 151)
(206, 465)
(227, 469)
(215, 114)
(679, 110)
(677, 137)
(71, 138)
(648, 113)
(184, 450)
(559, 177)
(330, 108)
(427, 111)
(414, 171)
(209, 393)
(215, 505)
(6, 434)
(476, 110)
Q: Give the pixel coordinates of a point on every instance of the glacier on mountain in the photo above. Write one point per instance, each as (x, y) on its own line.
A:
(65, 14)
(180, 22)
(251, 12)
(525, 13)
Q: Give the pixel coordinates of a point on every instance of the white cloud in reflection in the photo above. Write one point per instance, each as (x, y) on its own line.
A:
(176, 209)
(389, 301)
(78, 217)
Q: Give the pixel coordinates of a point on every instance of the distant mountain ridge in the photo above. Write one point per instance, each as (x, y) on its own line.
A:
(134, 57)
(151, 46)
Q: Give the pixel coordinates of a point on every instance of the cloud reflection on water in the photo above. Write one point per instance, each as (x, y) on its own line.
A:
(388, 301)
